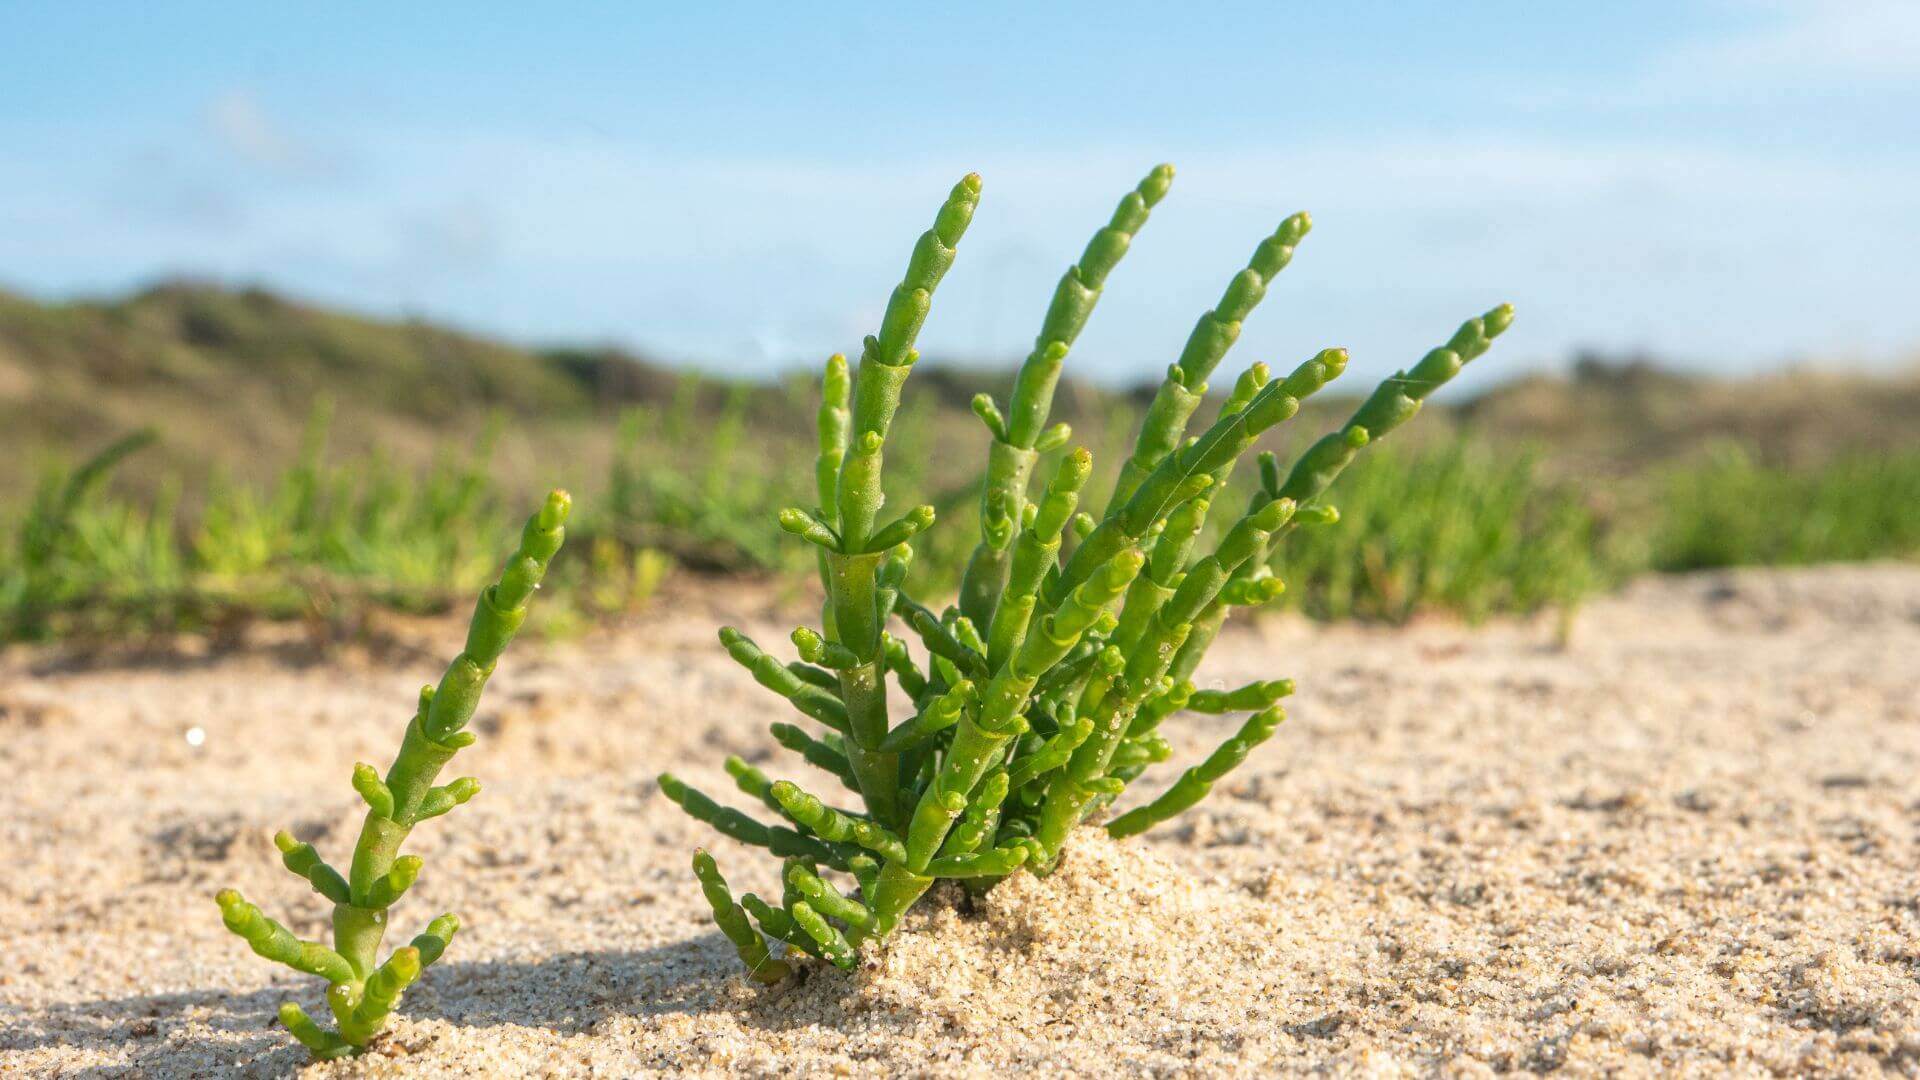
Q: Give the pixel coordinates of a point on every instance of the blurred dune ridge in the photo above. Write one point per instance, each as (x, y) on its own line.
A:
(229, 377)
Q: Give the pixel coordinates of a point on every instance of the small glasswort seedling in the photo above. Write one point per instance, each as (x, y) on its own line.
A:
(1044, 689)
(362, 991)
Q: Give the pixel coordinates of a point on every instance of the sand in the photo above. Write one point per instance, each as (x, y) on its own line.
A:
(1686, 843)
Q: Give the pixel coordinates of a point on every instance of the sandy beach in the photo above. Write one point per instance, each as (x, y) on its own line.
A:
(1687, 842)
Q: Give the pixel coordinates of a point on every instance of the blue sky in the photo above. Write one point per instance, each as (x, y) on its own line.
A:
(1733, 185)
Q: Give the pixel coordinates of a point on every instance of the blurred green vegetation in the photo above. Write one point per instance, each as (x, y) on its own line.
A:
(1462, 525)
(235, 499)
(1459, 527)
(1730, 510)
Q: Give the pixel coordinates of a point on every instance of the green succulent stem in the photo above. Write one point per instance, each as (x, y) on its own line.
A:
(1395, 401)
(733, 922)
(1011, 455)
(1216, 331)
(1188, 473)
(1087, 774)
(1057, 678)
(1195, 783)
(324, 1045)
(362, 990)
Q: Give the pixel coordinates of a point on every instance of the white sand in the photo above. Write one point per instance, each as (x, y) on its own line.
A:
(1687, 844)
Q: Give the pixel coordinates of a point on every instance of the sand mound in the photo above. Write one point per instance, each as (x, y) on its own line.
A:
(1117, 955)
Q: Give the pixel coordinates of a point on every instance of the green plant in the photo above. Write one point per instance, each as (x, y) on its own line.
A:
(698, 481)
(1727, 510)
(45, 577)
(1459, 527)
(1045, 688)
(361, 990)
(319, 542)
(677, 483)
(330, 531)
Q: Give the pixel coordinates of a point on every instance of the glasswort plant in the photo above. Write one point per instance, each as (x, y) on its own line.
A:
(362, 991)
(1044, 689)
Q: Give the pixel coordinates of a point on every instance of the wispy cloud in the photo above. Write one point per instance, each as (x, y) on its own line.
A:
(242, 125)
(461, 236)
(1759, 56)
(1794, 42)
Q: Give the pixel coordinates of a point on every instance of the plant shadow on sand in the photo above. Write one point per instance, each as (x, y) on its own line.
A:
(238, 1033)
(229, 1031)
(282, 646)
(574, 993)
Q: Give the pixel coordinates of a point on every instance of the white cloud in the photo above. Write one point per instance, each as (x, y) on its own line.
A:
(1849, 40)
(242, 125)
(1762, 54)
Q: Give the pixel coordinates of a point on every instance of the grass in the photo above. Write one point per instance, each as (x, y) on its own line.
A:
(1467, 524)
(321, 541)
(700, 481)
(1730, 510)
(1460, 527)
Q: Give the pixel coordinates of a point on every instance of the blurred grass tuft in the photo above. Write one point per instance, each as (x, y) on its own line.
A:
(1464, 524)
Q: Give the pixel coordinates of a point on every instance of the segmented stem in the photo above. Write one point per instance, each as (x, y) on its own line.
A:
(362, 993)
(1053, 682)
(732, 921)
(1011, 455)
(1216, 331)
(1194, 784)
